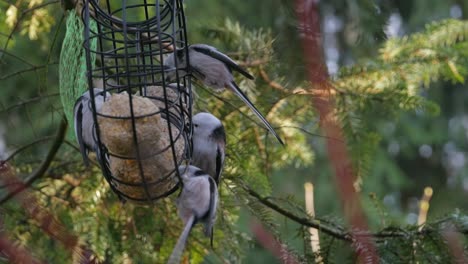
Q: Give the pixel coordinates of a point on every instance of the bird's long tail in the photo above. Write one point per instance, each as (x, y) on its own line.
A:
(78, 124)
(246, 100)
(180, 246)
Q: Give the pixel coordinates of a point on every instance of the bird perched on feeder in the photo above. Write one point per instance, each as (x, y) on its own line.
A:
(85, 130)
(197, 202)
(209, 143)
(214, 69)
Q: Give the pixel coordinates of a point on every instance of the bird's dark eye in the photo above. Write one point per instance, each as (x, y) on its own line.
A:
(199, 173)
(180, 54)
(195, 125)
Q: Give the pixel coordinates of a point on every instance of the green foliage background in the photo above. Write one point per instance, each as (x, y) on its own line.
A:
(401, 102)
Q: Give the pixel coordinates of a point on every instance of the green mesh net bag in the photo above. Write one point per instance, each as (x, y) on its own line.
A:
(72, 68)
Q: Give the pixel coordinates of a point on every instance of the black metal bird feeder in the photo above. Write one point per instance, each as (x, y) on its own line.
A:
(132, 39)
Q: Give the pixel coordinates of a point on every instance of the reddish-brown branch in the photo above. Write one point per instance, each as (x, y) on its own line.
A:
(268, 241)
(454, 243)
(44, 218)
(322, 99)
(15, 254)
(270, 82)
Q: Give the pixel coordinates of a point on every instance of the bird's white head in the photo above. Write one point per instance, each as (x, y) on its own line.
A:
(205, 123)
(190, 171)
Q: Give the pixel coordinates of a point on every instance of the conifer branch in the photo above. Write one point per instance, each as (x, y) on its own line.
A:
(341, 234)
(300, 220)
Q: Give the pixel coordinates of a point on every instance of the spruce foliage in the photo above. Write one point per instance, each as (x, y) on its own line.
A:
(382, 88)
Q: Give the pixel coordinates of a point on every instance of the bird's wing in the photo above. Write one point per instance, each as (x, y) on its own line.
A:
(219, 163)
(246, 100)
(198, 74)
(213, 198)
(78, 109)
(180, 246)
(212, 211)
(219, 136)
(214, 53)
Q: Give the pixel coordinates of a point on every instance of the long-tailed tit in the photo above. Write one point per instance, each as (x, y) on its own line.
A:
(214, 69)
(85, 131)
(209, 143)
(197, 203)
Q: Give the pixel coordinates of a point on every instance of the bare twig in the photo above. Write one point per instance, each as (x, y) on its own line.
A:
(78, 150)
(35, 68)
(305, 131)
(16, 57)
(18, 21)
(40, 6)
(25, 102)
(270, 82)
(44, 165)
(22, 148)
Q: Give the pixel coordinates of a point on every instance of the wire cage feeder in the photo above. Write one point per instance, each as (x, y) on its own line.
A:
(143, 130)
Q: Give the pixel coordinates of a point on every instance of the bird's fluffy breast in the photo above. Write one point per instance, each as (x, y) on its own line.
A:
(198, 189)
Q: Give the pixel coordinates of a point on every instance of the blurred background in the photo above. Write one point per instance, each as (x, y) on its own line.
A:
(416, 150)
